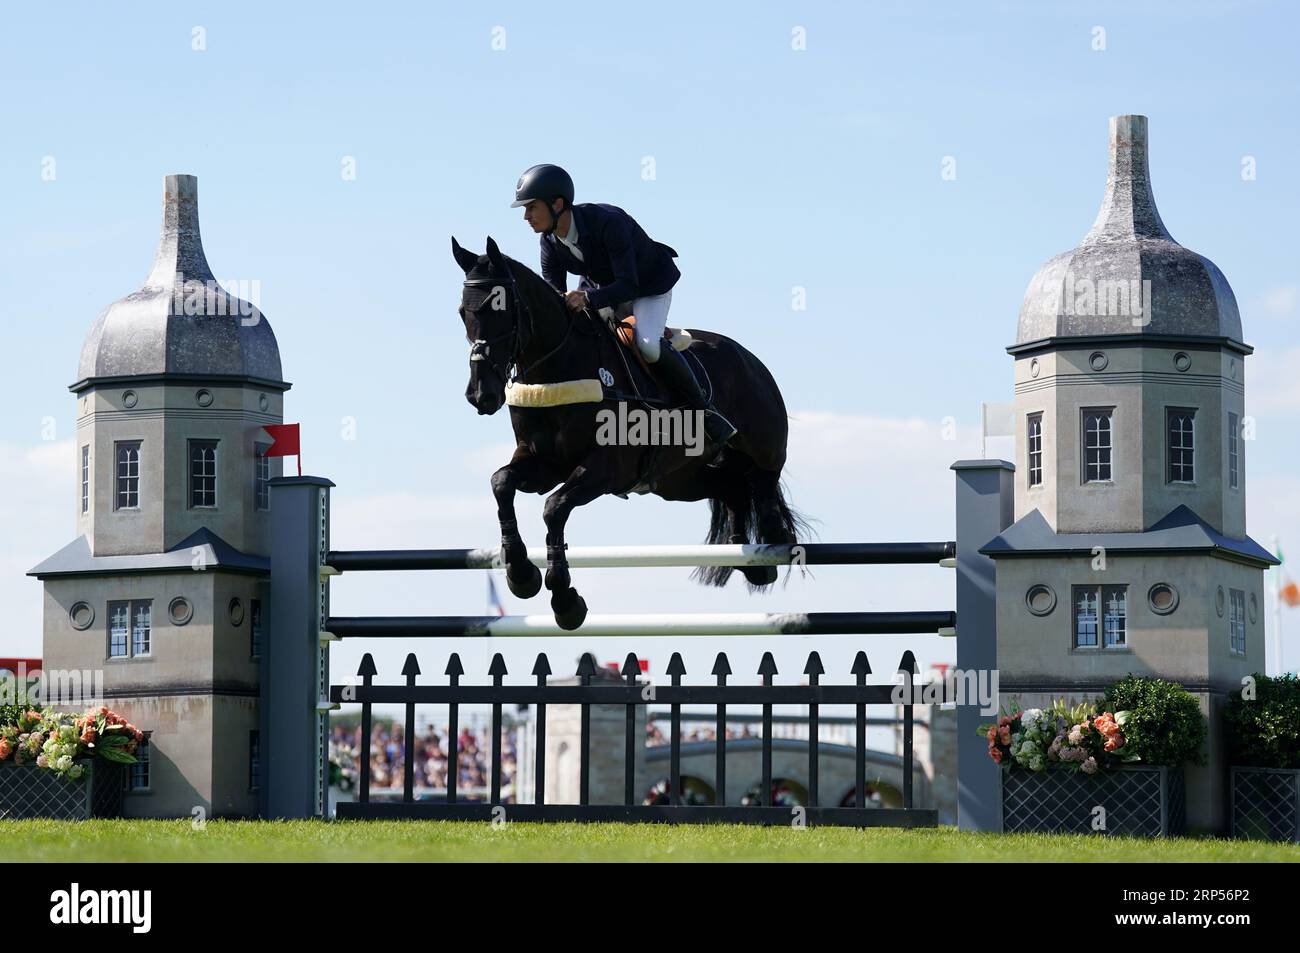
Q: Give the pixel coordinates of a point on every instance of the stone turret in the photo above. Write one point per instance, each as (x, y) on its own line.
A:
(177, 370)
(1121, 341)
(161, 592)
(1129, 551)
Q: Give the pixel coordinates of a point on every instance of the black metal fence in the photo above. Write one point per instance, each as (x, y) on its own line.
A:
(631, 691)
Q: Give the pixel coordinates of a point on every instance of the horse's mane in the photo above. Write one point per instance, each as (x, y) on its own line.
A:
(529, 278)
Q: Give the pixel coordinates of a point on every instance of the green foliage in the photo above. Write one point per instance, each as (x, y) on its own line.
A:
(1264, 731)
(9, 714)
(1164, 726)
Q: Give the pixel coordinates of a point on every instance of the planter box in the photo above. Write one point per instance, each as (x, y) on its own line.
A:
(1139, 800)
(28, 791)
(1266, 803)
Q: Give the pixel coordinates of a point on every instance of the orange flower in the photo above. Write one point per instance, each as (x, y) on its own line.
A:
(996, 754)
(88, 736)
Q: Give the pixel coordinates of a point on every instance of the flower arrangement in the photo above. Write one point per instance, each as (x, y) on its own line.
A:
(61, 742)
(343, 761)
(1079, 738)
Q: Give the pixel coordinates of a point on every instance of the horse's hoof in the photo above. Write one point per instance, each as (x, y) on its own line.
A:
(570, 609)
(527, 583)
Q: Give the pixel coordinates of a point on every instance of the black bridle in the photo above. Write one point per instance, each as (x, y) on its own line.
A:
(481, 348)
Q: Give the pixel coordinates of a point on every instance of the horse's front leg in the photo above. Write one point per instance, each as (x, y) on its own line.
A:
(586, 483)
(530, 474)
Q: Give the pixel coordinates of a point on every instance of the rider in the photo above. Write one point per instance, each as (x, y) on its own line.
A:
(619, 265)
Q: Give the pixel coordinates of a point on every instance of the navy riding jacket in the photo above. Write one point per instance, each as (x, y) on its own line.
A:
(620, 261)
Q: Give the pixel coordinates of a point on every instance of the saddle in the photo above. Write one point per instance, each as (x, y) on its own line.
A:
(645, 387)
(678, 338)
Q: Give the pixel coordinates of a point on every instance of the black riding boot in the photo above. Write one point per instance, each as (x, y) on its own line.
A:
(672, 369)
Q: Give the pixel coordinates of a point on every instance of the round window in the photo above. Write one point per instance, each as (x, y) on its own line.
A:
(236, 612)
(81, 615)
(180, 611)
(1098, 360)
(1162, 598)
(1040, 599)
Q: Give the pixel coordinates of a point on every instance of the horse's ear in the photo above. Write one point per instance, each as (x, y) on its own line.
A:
(466, 259)
(494, 254)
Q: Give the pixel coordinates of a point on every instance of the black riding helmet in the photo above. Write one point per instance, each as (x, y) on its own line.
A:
(546, 182)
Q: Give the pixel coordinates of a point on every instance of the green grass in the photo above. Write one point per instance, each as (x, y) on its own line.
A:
(473, 841)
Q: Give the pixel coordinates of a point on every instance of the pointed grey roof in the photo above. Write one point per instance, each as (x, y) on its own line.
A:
(1128, 243)
(75, 559)
(149, 333)
(1181, 530)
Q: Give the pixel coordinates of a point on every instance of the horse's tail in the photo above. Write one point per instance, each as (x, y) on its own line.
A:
(764, 516)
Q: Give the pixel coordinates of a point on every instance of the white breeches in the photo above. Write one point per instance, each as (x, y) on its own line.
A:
(651, 317)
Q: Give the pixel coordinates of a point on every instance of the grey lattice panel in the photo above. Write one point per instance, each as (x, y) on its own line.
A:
(1137, 801)
(1266, 804)
(27, 791)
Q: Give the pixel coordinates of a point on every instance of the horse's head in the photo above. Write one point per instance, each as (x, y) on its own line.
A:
(489, 307)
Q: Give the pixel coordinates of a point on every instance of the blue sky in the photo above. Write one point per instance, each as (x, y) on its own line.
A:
(773, 168)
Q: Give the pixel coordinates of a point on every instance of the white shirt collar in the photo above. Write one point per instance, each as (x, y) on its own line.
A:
(571, 239)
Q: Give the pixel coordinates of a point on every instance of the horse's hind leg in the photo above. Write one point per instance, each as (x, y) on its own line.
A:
(528, 473)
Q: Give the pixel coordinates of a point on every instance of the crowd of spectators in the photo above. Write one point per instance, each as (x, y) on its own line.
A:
(432, 756)
(655, 736)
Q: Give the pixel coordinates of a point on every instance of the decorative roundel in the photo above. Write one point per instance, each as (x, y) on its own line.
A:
(203, 398)
(81, 615)
(1252, 607)
(1232, 369)
(1182, 361)
(1040, 600)
(1162, 598)
(1035, 368)
(1219, 600)
(236, 612)
(1098, 360)
(263, 402)
(180, 611)
(129, 399)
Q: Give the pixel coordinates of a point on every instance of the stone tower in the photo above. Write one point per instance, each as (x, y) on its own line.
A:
(1129, 552)
(163, 589)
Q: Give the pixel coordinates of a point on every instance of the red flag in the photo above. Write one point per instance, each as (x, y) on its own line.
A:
(286, 441)
(1291, 594)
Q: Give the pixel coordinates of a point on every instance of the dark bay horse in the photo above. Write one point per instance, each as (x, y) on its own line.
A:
(517, 324)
